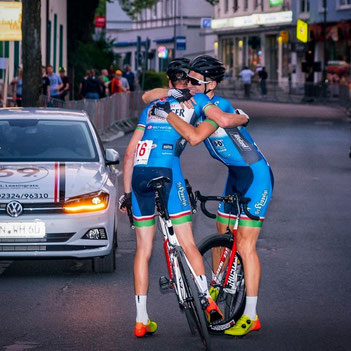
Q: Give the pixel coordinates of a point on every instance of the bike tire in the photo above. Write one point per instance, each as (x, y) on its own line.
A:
(193, 304)
(231, 304)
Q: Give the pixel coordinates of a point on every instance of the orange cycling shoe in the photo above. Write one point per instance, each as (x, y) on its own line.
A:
(213, 312)
(141, 329)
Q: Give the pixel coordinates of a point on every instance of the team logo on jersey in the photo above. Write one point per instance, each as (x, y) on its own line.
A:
(181, 193)
(167, 147)
(178, 111)
(240, 142)
(149, 127)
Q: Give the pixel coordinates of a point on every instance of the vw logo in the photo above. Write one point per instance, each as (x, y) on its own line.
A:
(14, 209)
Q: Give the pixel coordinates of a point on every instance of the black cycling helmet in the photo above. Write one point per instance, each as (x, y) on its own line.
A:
(178, 69)
(209, 67)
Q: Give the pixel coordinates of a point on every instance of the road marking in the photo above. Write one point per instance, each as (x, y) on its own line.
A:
(324, 123)
(21, 346)
(4, 265)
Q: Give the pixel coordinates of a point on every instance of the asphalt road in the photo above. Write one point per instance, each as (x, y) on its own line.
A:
(304, 247)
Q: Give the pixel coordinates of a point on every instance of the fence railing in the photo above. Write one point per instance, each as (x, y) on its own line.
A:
(287, 92)
(105, 112)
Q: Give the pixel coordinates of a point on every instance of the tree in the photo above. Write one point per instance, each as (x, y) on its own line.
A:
(31, 53)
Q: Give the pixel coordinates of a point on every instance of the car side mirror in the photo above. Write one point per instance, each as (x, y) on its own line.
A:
(111, 157)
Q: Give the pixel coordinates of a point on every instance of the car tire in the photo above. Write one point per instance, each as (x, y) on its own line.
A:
(105, 264)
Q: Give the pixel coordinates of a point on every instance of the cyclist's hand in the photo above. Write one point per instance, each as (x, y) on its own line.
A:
(125, 202)
(241, 112)
(161, 109)
(184, 96)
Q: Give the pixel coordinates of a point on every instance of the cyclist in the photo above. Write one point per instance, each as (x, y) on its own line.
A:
(248, 174)
(153, 151)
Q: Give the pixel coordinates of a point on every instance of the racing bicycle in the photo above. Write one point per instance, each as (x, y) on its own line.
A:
(223, 264)
(182, 278)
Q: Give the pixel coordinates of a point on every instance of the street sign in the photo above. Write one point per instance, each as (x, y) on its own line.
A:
(181, 43)
(162, 52)
(302, 31)
(100, 21)
(285, 36)
(206, 22)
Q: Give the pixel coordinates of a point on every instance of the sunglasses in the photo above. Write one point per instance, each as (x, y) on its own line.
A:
(195, 81)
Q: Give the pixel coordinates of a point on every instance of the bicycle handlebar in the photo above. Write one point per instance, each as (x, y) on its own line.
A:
(243, 201)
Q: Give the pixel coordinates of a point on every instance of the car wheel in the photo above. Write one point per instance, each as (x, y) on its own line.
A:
(105, 264)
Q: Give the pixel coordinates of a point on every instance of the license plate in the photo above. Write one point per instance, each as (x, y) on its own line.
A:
(22, 230)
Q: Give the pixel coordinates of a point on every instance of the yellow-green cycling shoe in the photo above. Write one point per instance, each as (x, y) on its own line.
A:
(244, 326)
(141, 329)
(214, 292)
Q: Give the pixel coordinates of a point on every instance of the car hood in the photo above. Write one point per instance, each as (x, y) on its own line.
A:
(49, 182)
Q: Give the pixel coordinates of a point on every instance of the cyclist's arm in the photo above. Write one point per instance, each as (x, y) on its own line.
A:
(154, 94)
(194, 135)
(224, 119)
(128, 160)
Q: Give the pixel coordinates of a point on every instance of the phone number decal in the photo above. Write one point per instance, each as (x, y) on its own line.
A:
(24, 196)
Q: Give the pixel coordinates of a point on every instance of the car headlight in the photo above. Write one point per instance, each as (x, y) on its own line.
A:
(87, 203)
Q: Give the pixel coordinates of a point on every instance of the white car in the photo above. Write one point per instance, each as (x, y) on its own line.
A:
(58, 188)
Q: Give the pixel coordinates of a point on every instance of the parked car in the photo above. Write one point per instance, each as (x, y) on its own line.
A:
(58, 194)
(338, 67)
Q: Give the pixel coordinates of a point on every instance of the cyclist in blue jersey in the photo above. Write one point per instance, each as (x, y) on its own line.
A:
(248, 174)
(153, 151)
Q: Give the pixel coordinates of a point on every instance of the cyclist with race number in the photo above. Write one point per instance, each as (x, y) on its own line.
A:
(248, 174)
(154, 151)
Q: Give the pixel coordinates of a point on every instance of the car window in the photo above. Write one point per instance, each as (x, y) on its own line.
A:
(46, 140)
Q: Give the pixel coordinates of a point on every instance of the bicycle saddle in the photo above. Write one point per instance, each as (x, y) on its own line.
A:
(158, 182)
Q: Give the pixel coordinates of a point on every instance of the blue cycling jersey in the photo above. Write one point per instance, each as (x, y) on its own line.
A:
(231, 146)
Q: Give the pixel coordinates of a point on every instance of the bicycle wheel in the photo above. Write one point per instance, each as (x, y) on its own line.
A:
(231, 299)
(193, 304)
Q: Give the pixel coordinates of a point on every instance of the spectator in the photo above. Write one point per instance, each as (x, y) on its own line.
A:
(83, 84)
(124, 81)
(111, 72)
(93, 86)
(105, 81)
(130, 77)
(246, 75)
(55, 82)
(65, 88)
(18, 82)
(116, 85)
(263, 75)
(45, 82)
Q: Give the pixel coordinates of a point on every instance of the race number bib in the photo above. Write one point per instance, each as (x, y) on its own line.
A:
(142, 152)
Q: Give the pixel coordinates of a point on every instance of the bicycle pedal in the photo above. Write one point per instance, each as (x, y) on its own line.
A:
(165, 284)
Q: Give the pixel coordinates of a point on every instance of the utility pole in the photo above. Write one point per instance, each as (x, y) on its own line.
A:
(175, 29)
(324, 73)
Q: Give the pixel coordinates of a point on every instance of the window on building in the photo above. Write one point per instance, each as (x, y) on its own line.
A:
(255, 4)
(246, 5)
(344, 3)
(154, 11)
(235, 5)
(166, 8)
(304, 6)
(226, 5)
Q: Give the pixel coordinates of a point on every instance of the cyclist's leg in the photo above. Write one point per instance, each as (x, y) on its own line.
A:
(260, 193)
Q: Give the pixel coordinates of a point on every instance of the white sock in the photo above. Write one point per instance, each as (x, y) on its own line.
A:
(250, 307)
(142, 316)
(203, 286)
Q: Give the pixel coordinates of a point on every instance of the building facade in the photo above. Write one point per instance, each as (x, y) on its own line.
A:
(173, 28)
(53, 39)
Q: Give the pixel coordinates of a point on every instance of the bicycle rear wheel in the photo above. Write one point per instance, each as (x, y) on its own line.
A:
(193, 306)
(230, 299)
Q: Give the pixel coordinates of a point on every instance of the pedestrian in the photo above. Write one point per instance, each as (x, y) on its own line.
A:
(246, 75)
(65, 88)
(105, 81)
(130, 76)
(83, 83)
(116, 85)
(93, 86)
(124, 81)
(18, 82)
(55, 82)
(263, 75)
(45, 82)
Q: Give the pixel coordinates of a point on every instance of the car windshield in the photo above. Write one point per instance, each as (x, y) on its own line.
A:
(33, 140)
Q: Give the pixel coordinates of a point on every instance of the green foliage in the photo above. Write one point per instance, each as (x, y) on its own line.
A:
(154, 80)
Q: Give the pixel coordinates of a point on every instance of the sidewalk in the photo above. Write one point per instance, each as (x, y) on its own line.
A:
(256, 108)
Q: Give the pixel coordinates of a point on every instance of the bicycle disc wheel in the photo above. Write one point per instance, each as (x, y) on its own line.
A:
(230, 299)
(193, 304)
